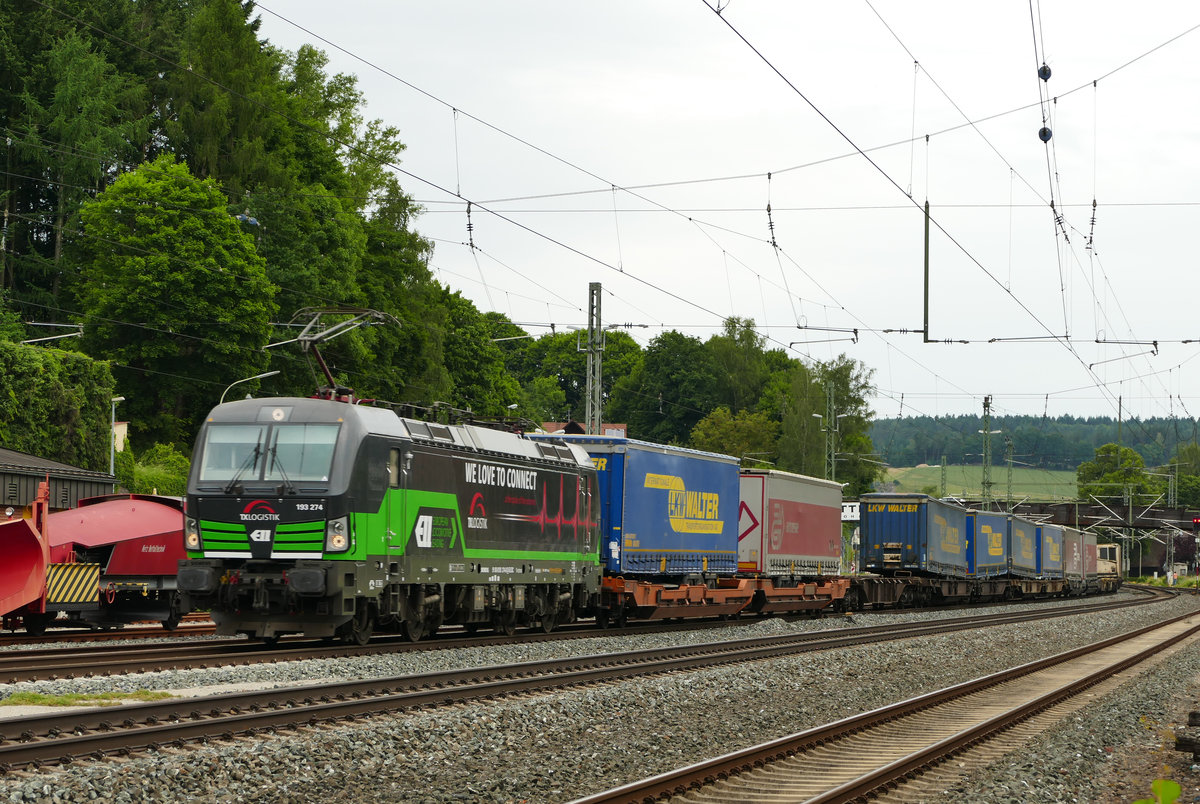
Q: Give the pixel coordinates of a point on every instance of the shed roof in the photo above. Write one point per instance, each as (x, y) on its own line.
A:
(15, 462)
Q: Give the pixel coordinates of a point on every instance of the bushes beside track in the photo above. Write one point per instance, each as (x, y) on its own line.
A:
(55, 404)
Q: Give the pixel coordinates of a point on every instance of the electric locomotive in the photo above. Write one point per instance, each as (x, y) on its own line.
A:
(334, 519)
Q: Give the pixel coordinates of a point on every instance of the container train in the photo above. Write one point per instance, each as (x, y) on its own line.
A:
(315, 516)
(925, 551)
(335, 520)
(108, 562)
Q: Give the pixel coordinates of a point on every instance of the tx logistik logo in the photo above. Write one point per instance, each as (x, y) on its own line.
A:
(688, 511)
(259, 511)
(477, 522)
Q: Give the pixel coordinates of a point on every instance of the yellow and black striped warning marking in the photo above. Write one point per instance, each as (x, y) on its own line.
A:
(72, 583)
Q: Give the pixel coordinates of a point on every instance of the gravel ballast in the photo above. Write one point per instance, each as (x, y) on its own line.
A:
(559, 746)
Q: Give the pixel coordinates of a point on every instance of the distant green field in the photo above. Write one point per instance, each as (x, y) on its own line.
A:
(967, 481)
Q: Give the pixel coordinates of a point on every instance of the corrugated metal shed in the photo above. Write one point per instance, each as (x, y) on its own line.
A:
(20, 474)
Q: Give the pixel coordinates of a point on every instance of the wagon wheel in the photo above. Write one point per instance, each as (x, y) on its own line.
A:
(602, 618)
(35, 624)
(505, 622)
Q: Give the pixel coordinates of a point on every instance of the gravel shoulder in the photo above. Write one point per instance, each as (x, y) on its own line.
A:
(559, 746)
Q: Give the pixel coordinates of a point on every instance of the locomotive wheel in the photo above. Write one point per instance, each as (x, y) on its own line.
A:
(602, 619)
(174, 617)
(549, 621)
(362, 626)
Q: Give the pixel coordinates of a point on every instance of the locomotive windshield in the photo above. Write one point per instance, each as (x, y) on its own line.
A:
(280, 452)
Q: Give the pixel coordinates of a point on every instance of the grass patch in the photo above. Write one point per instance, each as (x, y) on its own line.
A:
(967, 481)
(82, 698)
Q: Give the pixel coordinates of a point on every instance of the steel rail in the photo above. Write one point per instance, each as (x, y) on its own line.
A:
(747, 761)
(53, 664)
(95, 731)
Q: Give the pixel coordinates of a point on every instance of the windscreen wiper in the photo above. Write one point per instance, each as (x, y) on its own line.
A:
(276, 463)
(251, 460)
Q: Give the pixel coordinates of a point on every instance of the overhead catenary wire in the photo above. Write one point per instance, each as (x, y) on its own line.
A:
(724, 259)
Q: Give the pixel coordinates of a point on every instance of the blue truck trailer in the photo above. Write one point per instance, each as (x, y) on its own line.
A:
(1023, 547)
(987, 544)
(914, 534)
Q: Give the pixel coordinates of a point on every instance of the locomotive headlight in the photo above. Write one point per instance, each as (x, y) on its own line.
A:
(191, 534)
(337, 535)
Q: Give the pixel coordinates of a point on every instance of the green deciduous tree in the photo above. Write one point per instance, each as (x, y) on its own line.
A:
(748, 436)
(1114, 473)
(173, 292)
(740, 361)
(800, 394)
(408, 361)
(665, 397)
(476, 367)
(162, 469)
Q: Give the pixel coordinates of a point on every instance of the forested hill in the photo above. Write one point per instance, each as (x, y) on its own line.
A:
(1050, 443)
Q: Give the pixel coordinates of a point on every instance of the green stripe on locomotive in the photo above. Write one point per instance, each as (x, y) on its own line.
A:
(429, 523)
(292, 537)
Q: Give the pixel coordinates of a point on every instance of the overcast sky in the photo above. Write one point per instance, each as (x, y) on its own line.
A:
(638, 144)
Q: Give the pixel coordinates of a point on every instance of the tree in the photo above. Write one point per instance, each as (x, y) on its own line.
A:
(162, 469)
(801, 442)
(738, 355)
(222, 125)
(55, 405)
(744, 435)
(848, 382)
(542, 400)
(1187, 456)
(95, 116)
(1114, 471)
(395, 279)
(172, 292)
(562, 356)
(664, 398)
(11, 327)
(475, 364)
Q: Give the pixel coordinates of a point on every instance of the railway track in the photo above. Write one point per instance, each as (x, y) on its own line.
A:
(52, 664)
(873, 755)
(101, 732)
(192, 625)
